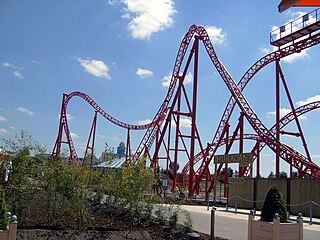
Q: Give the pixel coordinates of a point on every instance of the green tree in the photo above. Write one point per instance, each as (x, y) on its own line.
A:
(271, 175)
(3, 212)
(283, 174)
(106, 155)
(23, 173)
(273, 204)
(68, 185)
(295, 174)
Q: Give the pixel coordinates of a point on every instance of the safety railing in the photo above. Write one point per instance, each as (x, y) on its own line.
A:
(295, 26)
(237, 197)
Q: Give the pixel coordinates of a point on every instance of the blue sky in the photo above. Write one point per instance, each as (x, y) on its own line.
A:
(121, 52)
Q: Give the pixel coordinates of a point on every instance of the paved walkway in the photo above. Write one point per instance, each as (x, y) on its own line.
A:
(235, 226)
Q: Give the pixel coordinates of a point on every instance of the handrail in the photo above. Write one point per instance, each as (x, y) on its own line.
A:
(295, 25)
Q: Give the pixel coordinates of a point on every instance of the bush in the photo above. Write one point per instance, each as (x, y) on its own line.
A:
(3, 212)
(187, 223)
(273, 204)
(173, 218)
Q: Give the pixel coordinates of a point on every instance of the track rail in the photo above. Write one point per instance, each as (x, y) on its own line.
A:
(250, 73)
(97, 108)
(237, 98)
(285, 120)
(107, 116)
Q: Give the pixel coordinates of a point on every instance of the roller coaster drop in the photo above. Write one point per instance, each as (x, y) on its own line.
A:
(170, 113)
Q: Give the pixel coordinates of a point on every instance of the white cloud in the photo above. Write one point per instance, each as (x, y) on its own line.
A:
(144, 122)
(315, 156)
(283, 112)
(12, 127)
(265, 50)
(25, 110)
(144, 73)
(3, 131)
(10, 65)
(184, 122)
(216, 35)
(296, 56)
(69, 116)
(188, 78)
(36, 62)
(288, 59)
(308, 100)
(148, 17)
(113, 2)
(165, 82)
(126, 16)
(17, 74)
(2, 119)
(295, 15)
(16, 70)
(95, 67)
(74, 135)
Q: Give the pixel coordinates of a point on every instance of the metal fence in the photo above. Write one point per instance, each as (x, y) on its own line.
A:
(309, 203)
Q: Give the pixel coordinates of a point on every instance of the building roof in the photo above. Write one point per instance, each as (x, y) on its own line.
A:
(285, 4)
(115, 163)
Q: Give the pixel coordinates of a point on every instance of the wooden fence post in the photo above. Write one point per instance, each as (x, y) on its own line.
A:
(300, 221)
(251, 218)
(13, 228)
(276, 227)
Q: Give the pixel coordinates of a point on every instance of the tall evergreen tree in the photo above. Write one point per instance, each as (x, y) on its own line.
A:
(273, 204)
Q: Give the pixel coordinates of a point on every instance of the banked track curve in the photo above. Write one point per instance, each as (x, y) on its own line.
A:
(262, 62)
(286, 153)
(237, 98)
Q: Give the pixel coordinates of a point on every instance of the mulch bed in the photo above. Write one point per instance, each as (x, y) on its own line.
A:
(36, 224)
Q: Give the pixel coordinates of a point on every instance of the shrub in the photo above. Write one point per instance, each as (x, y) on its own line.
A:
(3, 212)
(274, 204)
(173, 218)
(161, 214)
(187, 223)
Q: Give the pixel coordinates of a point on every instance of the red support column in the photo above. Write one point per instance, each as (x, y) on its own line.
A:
(154, 160)
(176, 144)
(258, 160)
(57, 146)
(193, 115)
(128, 148)
(93, 138)
(227, 126)
(241, 169)
(304, 142)
(277, 118)
(168, 142)
(92, 134)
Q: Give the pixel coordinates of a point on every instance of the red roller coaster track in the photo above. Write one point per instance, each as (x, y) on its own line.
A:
(95, 106)
(264, 136)
(253, 70)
